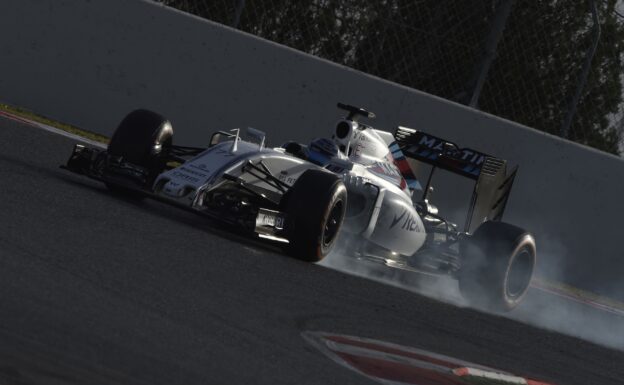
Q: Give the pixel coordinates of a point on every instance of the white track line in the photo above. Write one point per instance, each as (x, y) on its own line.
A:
(500, 377)
(580, 300)
(51, 129)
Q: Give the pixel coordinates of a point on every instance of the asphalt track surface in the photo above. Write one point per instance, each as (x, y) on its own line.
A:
(95, 289)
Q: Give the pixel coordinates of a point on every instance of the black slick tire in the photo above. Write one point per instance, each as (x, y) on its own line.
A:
(142, 138)
(315, 207)
(498, 261)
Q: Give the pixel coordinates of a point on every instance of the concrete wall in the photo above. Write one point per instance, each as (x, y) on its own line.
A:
(90, 62)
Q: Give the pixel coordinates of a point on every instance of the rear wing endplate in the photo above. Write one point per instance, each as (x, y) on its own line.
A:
(492, 184)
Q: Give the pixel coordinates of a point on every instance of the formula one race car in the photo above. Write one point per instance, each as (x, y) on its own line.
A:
(357, 186)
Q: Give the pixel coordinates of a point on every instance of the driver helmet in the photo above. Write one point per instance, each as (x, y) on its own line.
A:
(322, 150)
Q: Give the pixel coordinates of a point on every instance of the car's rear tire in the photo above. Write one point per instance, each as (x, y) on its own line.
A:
(498, 261)
(142, 138)
(315, 207)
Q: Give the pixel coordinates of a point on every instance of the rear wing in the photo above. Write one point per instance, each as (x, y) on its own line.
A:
(492, 184)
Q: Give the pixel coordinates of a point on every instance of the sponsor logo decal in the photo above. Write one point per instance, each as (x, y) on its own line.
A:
(389, 172)
(193, 172)
(464, 154)
(225, 153)
(289, 180)
(408, 220)
(184, 176)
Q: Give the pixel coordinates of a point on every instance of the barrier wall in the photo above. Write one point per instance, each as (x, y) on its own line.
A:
(90, 62)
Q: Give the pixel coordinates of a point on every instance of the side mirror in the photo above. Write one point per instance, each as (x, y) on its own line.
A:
(257, 135)
(215, 139)
(221, 136)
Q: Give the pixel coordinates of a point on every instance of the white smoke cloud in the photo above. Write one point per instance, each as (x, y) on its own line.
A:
(539, 308)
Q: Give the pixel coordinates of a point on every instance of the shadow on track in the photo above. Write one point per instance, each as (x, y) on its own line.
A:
(167, 211)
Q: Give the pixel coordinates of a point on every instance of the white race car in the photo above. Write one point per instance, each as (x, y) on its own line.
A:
(357, 186)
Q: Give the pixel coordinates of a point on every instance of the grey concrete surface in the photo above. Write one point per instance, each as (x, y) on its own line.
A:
(99, 290)
(89, 62)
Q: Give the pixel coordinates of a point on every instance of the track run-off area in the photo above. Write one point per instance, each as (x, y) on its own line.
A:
(98, 289)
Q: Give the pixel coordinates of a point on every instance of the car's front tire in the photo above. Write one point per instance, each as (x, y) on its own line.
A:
(498, 261)
(315, 207)
(142, 138)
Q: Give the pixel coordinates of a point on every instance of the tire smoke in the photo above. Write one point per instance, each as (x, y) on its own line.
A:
(564, 311)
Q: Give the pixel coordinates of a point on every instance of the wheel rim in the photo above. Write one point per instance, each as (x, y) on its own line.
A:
(332, 224)
(519, 273)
